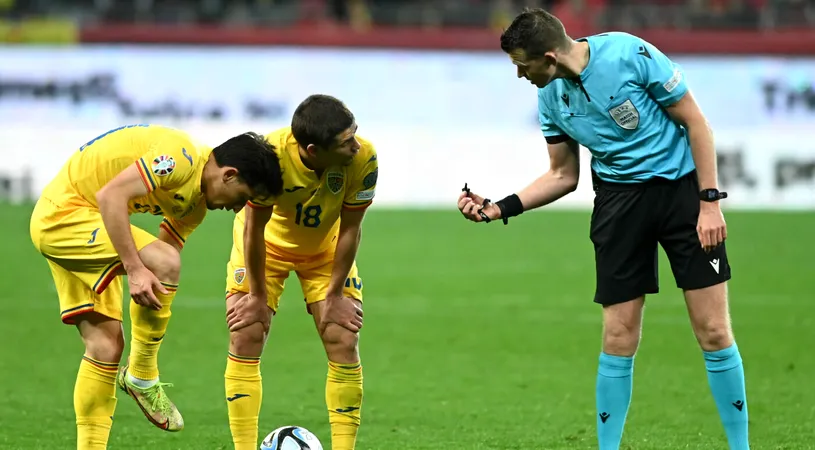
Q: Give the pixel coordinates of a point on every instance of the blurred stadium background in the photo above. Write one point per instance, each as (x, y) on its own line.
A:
(476, 337)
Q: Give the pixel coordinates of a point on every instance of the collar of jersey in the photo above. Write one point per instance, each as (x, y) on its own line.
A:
(205, 153)
(592, 57)
(294, 151)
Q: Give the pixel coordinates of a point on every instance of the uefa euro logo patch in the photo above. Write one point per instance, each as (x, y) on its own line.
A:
(240, 275)
(163, 165)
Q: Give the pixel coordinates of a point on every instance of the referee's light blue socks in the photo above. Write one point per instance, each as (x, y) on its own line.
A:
(614, 385)
(725, 373)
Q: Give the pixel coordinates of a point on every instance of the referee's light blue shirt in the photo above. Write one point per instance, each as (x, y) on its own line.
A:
(616, 109)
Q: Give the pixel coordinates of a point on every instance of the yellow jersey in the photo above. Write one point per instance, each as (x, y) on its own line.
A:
(306, 216)
(169, 162)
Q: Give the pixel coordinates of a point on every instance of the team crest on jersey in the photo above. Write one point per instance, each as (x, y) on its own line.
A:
(334, 181)
(240, 275)
(163, 165)
(626, 115)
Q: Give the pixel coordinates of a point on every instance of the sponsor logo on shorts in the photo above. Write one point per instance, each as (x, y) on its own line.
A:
(715, 264)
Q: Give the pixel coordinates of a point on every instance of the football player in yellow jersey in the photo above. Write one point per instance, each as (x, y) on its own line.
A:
(81, 225)
(329, 179)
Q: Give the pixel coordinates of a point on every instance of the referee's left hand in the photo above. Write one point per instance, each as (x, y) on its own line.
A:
(711, 228)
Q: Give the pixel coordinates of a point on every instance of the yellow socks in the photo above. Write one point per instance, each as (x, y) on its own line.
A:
(244, 392)
(147, 331)
(94, 403)
(343, 396)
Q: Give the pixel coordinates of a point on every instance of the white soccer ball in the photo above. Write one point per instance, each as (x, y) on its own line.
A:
(291, 438)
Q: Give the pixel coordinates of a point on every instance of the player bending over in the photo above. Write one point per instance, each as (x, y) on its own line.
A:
(81, 225)
(329, 177)
(654, 172)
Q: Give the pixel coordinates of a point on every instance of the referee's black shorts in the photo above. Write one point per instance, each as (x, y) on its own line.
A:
(627, 223)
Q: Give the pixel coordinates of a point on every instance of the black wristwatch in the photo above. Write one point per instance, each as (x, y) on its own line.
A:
(711, 195)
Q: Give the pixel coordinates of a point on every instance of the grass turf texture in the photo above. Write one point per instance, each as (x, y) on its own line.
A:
(476, 337)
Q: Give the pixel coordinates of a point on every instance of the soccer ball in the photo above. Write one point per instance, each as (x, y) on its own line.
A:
(291, 438)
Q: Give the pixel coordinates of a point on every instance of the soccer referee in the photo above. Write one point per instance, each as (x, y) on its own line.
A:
(654, 175)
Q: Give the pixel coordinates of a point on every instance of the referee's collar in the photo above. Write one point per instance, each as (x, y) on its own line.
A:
(587, 70)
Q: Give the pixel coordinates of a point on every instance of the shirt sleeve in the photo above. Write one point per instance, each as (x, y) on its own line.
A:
(661, 77)
(168, 164)
(181, 229)
(362, 187)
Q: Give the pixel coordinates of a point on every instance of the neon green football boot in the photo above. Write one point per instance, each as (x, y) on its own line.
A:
(153, 401)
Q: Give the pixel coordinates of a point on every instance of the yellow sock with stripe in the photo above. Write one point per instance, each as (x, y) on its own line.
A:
(343, 396)
(244, 393)
(148, 327)
(94, 403)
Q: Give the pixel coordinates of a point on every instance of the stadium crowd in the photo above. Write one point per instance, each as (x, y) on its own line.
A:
(681, 14)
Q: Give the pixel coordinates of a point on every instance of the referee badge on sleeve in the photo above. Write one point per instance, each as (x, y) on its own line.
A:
(626, 115)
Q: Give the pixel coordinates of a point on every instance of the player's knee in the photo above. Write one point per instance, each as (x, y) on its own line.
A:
(247, 341)
(163, 260)
(621, 339)
(340, 343)
(713, 335)
(622, 327)
(105, 345)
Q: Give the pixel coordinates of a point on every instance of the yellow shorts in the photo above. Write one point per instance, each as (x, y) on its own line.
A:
(82, 258)
(313, 272)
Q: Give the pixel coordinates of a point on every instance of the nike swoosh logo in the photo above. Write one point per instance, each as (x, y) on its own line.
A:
(163, 425)
(236, 396)
(296, 188)
(346, 410)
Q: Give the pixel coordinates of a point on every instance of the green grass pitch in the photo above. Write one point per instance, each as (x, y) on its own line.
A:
(476, 337)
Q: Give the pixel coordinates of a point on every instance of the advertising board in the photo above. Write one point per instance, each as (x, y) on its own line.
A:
(439, 119)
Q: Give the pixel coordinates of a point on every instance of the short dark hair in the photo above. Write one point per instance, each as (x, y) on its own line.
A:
(256, 161)
(536, 32)
(319, 119)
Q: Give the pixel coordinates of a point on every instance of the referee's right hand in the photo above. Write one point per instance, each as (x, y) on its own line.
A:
(469, 204)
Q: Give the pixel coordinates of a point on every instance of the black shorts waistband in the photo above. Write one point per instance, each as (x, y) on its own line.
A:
(599, 184)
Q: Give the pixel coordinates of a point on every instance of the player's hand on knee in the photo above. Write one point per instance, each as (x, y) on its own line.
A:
(247, 310)
(343, 311)
(711, 227)
(143, 284)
